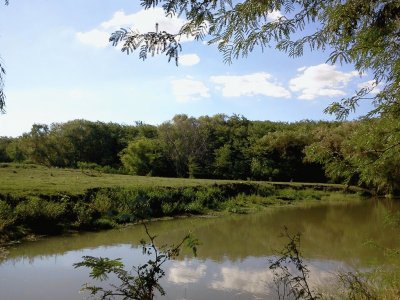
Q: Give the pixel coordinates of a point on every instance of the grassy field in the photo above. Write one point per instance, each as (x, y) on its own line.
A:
(39, 200)
(27, 180)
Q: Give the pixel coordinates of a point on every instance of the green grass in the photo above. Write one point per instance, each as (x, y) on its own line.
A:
(39, 200)
(28, 180)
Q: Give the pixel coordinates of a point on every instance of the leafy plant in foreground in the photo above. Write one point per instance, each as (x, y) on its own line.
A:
(291, 284)
(142, 282)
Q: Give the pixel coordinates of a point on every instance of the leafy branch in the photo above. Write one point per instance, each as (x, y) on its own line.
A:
(292, 284)
(149, 43)
(2, 73)
(142, 282)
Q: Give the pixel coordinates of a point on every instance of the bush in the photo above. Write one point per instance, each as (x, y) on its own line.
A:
(83, 215)
(35, 209)
(102, 203)
(7, 216)
(41, 215)
(104, 224)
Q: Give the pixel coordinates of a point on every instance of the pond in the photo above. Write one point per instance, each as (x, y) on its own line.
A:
(233, 258)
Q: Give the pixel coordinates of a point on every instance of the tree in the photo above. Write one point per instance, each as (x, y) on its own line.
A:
(185, 142)
(363, 32)
(143, 156)
(363, 152)
(280, 155)
(4, 142)
(2, 73)
(141, 282)
(329, 151)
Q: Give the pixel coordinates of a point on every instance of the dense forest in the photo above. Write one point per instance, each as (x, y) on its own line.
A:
(221, 147)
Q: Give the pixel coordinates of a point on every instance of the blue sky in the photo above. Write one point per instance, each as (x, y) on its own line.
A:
(60, 67)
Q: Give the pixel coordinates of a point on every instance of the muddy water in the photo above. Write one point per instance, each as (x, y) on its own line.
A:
(232, 262)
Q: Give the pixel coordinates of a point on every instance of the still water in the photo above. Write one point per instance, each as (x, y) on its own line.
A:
(232, 262)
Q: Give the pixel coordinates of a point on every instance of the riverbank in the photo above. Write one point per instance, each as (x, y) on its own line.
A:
(35, 200)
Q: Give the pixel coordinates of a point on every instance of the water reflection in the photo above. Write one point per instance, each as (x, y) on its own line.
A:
(186, 272)
(233, 258)
(249, 281)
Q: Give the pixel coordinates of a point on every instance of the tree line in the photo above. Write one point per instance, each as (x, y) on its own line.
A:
(363, 152)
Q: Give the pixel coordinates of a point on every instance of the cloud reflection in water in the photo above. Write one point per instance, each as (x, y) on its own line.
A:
(186, 272)
(250, 278)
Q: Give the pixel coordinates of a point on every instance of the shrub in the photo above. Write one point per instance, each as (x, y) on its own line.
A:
(7, 216)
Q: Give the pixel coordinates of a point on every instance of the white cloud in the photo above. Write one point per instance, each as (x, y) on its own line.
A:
(95, 37)
(186, 272)
(188, 89)
(142, 21)
(274, 15)
(80, 94)
(242, 280)
(188, 60)
(250, 85)
(261, 281)
(370, 84)
(320, 80)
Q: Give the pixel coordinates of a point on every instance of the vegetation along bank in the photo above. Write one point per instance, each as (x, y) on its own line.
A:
(36, 200)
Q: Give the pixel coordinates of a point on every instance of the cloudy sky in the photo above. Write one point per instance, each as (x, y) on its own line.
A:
(60, 67)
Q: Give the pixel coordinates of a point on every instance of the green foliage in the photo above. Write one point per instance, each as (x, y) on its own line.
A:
(73, 142)
(364, 33)
(104, 224)
(366, 153)
(7, 216)
(2, 74)
(236, 205)
(184, 139)
(193, 167)
(329, 152)
(374, 149)
(292, 284)
(143, 282)
(143, 156)
(210, 197)
(279, 156)
(291, 278)
(83, 215)
(4, 143)
(34, 209)
(103, 203)
(357, 286)
(37, 200)
(205, 147)
(158, 42)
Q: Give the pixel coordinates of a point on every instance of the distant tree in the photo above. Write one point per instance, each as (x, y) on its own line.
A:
(329, 151)
(185, 141)
(223, 162)
(349, 157)
(4, 143)
(365, 33)
(37, 144)
(279, 155)
(143, 156)
(15, 151)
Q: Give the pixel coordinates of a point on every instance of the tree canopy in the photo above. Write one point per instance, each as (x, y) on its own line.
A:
(2, 73)
(365, 33)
